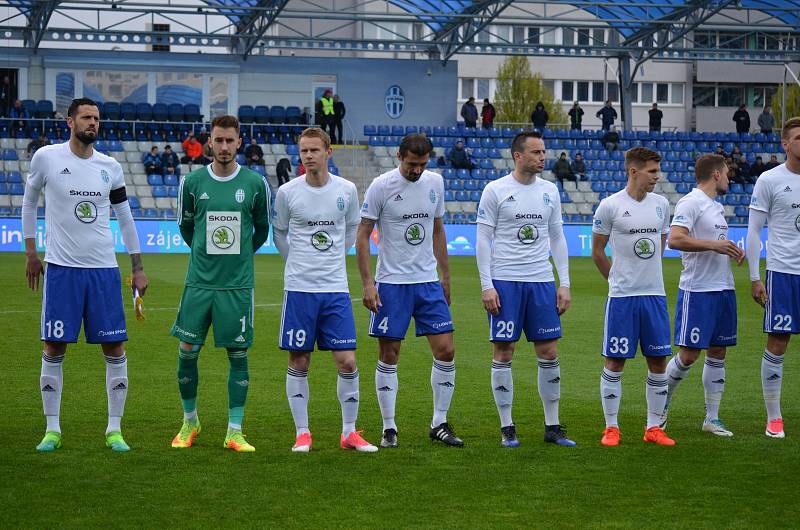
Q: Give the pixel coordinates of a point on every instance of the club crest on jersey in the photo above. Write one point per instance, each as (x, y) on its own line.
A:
(432, 196)
(104, 175)
(415, 234)
(239, 195)
(86, 212)
(546, 199)
(321, 241)
(340, 204)
(528, 234)
(223, 237)
(645, 248)
(659, 212)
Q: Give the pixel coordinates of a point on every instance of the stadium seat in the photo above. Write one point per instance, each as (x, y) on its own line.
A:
(294, 115)
(191, 113)
(111, 111)
(175, 112)
(44, 109)
(370, 130)
(160, 112)
(30, 106)
(127, 111)
(384, 130)
(277, 114)
(144, 111)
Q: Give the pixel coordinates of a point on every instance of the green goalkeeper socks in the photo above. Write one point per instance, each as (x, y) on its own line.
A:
(238, 381)
(188, 378)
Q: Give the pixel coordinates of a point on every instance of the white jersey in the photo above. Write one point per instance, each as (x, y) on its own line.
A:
(316, 219)
(404, 212)
(76, 194)
(704, 218)
(522, 216)
(777, 192)
(634, 229)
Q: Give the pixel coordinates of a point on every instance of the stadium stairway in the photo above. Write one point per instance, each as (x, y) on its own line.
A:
(357, 164)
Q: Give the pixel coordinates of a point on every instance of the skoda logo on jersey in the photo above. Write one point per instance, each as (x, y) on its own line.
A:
(645, 248)
(321, 241)
(415, 234)
(722, 237)
(223, 237)
(86, 212)
(528, 234)
(659, 212)
(395, 102)
(239, 195)
(104, 175)
(432, 196)
(340, 204)
(797, 223)
(546, 199)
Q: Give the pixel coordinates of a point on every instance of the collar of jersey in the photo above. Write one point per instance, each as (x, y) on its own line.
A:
(224, 179)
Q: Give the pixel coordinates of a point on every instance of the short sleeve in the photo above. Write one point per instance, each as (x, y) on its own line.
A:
(117, 176)
(665, 226)
(280, 215)
(373, 202)
(556, 219)
(439, 198)
(353, 216)
(603, 218)
(487, 208)
(37, 174)
(685, 214)
(760, 200)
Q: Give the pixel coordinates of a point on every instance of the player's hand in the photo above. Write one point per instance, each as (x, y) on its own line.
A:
(491, 301)
(563, 299)
(33, 269)
(446, 288)
(139, 282)
(371, 299)
(759, 293)
(729, 248)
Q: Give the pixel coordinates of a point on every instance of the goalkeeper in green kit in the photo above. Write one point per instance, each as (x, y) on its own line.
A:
(223, 214)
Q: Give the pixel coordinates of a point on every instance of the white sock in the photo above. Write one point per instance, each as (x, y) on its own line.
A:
(676, 372)
(297, 394)
(190, 416)
(714, 385)
(50, 384)
(116, 389)
(386, 388)
(443, 383)
(611, 395)
(503, 390)
(347, 390)
(656, 394)
(771, 378)
(549, 383)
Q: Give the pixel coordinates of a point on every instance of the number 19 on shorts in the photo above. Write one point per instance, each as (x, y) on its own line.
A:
(296, 338)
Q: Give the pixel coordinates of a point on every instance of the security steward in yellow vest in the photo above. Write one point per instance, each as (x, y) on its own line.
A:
(328, 114)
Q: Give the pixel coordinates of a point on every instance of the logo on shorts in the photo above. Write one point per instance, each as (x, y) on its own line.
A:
(240, 338)
(528, 234)
(86, 212)
(223, 237)
(239, 195)
(415, 234)
(797, 223)
(432, 196)
(321, 241)
(104, 175)
(203, 197)
(644, 248)
(340, 203)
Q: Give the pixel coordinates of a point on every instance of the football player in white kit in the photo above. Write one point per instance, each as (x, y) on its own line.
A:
(776, 202)
(314, 222)
(705, 314)
(519, 224)
(407, 203)
(82, 281)
(635, 221)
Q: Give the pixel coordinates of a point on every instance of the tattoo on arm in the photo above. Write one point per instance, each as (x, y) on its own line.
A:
(136, 262)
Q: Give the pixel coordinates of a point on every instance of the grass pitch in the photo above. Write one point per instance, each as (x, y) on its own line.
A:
(705, 482)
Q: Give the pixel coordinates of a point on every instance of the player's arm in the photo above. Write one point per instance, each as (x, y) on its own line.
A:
(352, 220)
(127, 226)
(483, 255)
(440, 252)
(679, 239)
(755, 224)
(280, 223)
(186, 213)
(560, 253)
(30, 202)
(370, 299)
(261, 217)
(601, 261)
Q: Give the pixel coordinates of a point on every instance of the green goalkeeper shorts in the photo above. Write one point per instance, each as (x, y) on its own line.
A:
(230, 311)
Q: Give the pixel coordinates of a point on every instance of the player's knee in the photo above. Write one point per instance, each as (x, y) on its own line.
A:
(503, 351)
(615, 365)
(55, 349)
(446, 353)
(346, 364)
(546, 350)
(689, 356)
(300, 361)
(777, 343)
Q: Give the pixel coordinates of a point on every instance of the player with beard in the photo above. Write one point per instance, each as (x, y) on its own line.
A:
(81, 281)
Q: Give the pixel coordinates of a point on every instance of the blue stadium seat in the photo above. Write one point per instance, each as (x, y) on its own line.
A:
(294, 115)
(144, 111)
(133, 202)
(175, 112)
(471, 185)
(127, 111)
(191, 113)
(449, 173)
(160, 113)
(44, 109)
(448, 196)
(565, 198)
(426, 130)
(111, 111)
(411, 129)
(462, 196)
(10, 154)
(159, 191)
(170, 180)
(292, 150)
(744, 200)
(473, 143)
(375, 140)
(277, 114)
(477, 174)
(486, 164)
(3, 188)
(487, 143)
(155, 180)
(736, 188)
(172, 191)
(398, 130)
(741, 211)
(478, 153)
(370, 130)
(384, 130)
(16, 189)
(246, 113)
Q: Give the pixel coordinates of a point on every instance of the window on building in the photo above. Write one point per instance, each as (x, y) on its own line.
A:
(483, 36)
(730, 96)
(583, 36)
(549, 85)
(597, 92)
(467, 88)
(483, 88)
(731, 41)
(705, 39)
(662, 93)
(568, 36)
(762, 95)
(583, 91)
(613, 91)
(635, 93)
(677, 94)
(704, 96)
(533, 35)
(567, 93)
(599, 37)
(647, 92)
(518, 34)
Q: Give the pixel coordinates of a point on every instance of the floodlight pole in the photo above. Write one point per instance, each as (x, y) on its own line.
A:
(625, 91)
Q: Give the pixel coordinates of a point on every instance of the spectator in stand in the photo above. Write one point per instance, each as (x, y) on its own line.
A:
(562, 170)
(192, 150)
(742, 119)
(773, 162)
(301, 169)
(152, 161)
(720, 151)
(253, 153)
(208, 153)
(575, 116)
(327, 118)
(283, 170)
(487, 114)
(203, 136)
(766, 121)
(539, 116)
(339, 111)
(611, 139)
(470, 113)
(36, 143)
(733, 171)
(20, 113)
(459, 157)
(743, 169)
(757, 169)
(6, 96)
(607, 115)
(170, 164)
(655, 118)
(736, 153)
(578, 167)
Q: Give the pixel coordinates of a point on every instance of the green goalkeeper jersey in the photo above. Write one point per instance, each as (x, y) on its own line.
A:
(224, 220)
